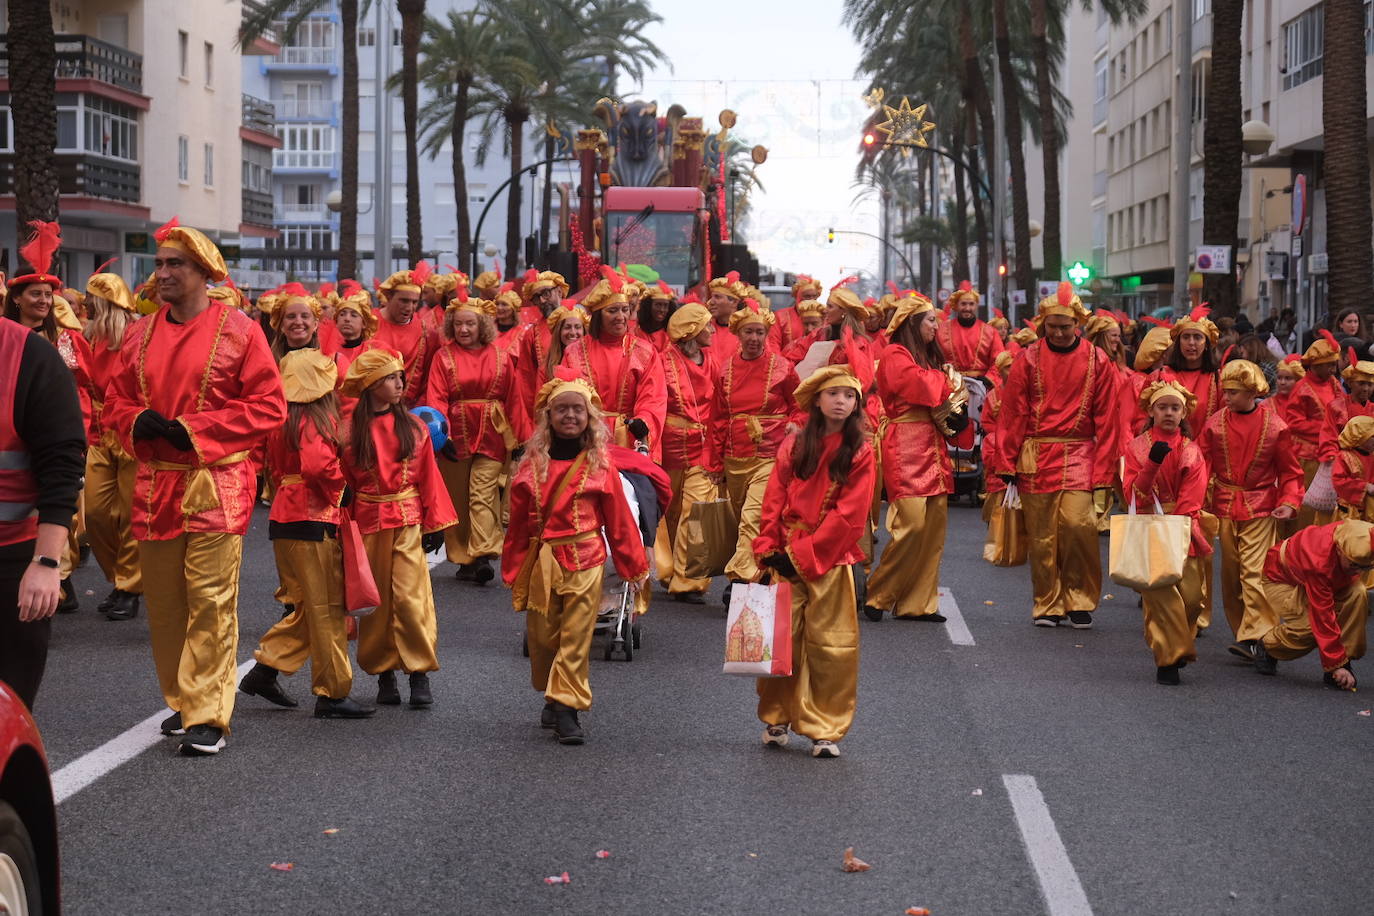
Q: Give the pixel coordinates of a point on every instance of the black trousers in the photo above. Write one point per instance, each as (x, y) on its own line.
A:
(23, 646)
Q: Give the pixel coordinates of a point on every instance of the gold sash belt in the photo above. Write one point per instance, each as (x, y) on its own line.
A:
(200, 494)
(408, 493)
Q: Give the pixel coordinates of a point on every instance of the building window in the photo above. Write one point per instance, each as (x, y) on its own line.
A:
(110, 129)
(1302, 47)
(367, 37)
(209, 165)
(313, 43)
(304, 146)
(209, 64)
(257, 168)
(1200, 74)
(184, 54)
(183, 158)
(1201, 8)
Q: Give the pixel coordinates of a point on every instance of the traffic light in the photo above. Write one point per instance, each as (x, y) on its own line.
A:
(870, 138)
(1080, 273)
(1001, 270)
(830, 236)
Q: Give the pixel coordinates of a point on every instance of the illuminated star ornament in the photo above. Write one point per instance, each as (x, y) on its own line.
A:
(906, 127)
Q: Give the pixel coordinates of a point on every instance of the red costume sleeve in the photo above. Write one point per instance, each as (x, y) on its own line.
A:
(320, 465)
(819, 551)
(517, 543)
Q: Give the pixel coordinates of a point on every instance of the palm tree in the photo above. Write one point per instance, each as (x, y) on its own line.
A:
(1221, 179)
(286, 16)
(1346, 161)
(33, 87)
(412, 24)
(458, 55)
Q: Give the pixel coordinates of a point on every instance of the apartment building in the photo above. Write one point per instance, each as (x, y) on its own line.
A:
(151, 124)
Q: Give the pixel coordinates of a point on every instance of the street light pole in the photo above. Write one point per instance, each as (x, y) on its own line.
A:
(911, 274)
(1183, 153)
(381, 185)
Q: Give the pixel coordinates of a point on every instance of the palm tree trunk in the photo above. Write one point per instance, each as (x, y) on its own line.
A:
(1222, 140)
(460, 174)
(1347, 158)
(412, 23)
(1049, 140)
(979, 112)
(1016, 157)
(33, 85)
(516, 124)
(348, 212)
(961, 272)
(546, 203)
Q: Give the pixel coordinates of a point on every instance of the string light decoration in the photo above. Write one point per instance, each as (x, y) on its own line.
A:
(905, 127)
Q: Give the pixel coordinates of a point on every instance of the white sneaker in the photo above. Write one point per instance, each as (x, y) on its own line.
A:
(775, 736)
(825, 749)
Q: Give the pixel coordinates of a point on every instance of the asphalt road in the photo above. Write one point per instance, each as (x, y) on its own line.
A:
(1230, 794)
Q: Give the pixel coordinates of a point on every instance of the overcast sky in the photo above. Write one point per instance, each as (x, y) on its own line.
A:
(787, 69)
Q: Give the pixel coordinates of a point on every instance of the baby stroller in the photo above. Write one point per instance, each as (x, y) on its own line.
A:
(966, 451)
(648, 492)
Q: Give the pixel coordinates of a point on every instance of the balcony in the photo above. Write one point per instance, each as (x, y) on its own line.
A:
(302, 58)
(257, 207)
(306, 109)
(259, 115)
(85, 175)
(268, 44)
(304, 213)
(89, 64)
(304, 160)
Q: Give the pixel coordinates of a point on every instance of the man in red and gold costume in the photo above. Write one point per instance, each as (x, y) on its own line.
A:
(723, 298)
(402, 328)
(969, 344)
(197, 390)
(789, 320)
(1058, 443)
(541, 292)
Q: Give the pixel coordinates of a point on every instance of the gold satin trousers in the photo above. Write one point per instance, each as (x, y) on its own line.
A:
(1171, 615)
(109, 494)
(746, 479)
(1243, 548)
(402, 634)
(560, 641)
(907, 580)
(817, 700)
(1064, 552)
(311, 574)
(1292, 636)
(474, 485)
(690, 486)
(191, 585)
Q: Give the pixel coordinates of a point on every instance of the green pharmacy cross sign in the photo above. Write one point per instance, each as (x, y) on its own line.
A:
(1079, 273)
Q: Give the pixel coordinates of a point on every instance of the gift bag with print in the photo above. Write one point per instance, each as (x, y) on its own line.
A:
(758, 630)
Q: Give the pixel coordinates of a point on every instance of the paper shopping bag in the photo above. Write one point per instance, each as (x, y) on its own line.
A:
(711, 532)
(1007, 543)
(758, 630)
(1148, 551)
(360, 588)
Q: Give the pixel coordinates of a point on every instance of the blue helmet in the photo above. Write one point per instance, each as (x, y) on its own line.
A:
(436, 422)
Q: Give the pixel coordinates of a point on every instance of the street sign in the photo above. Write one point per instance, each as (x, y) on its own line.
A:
(1299, 205)
(1045, 288)
(1295, 246)
(944, 294)
(1018, 297)
(1214, 259)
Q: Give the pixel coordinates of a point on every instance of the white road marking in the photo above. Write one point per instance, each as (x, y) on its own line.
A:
(114, 753)
(954, 624)
(1058, 881)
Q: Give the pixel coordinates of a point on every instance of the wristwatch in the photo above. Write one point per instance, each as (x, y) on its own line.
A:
(46, 561)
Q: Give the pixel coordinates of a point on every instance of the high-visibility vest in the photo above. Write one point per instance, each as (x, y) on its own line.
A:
(18, 486)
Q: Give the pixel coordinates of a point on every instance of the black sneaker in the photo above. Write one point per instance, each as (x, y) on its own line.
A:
(387, 694)
(108, 601)
(202, 740)
(419, 690)
(1167, 675)
(928, 618)
(465, 572)
(124, 607)
(172, 725)
(346, 708)
(482, 573)
(548, 716)
(1081, 620)
(68, 603)
(1264, 662)
(1049, 620)
(261, 681)
(566, 727)
(690, 597)
(1244, 648)
(874, 614)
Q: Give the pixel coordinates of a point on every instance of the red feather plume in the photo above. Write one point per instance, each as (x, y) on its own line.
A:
(1199, 313)
(294, 289)
(1157, 322)
(965, 287)
(101, 268)
(1065, 293)
(861, 367)
(998, 313)
(1329, 338)
(460, 292)
(421, 272)
(692, 299)
(852, 278)
(1350, 355)
(733, 276)
(1293, 358)
(42, 245)
(893, 287)
(349, 287)
(506, 288)
(376, 285)
(665, 289)
(496, 266)
(326, 288)
(531, 275)
(451, 269)
(165, 229)
(613, 279)
(1226, 357)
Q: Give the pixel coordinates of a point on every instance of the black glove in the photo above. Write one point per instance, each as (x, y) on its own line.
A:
(638, 428)
(1159, 451)
(1007, 479)
(957, 422)
(178, 436)
(782, 563)
(449, 451)
(432, 541)
(347, 499)
(517, 454)
(150, 425)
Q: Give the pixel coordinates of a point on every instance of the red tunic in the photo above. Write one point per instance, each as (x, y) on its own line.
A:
(687, 439)
(476, 390)
(216, 375)
(309, 481)
(1132, 418)
(1206, 387)
(76, 353)
(724, 345)
(397, 491)
(971, 350)
(787, 327)
(992, 411)
(1311, 561)
(1350, 472)
(628, 374)
(915, 458)
(532, 345)
(1180, 483)
(103, 366)
(343, 358)
(1253, 465)
(659, 338)
(1306, 414)
(595, 500)
(817, 522)
(753, 402)
(416, 344)
(1058, 429)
